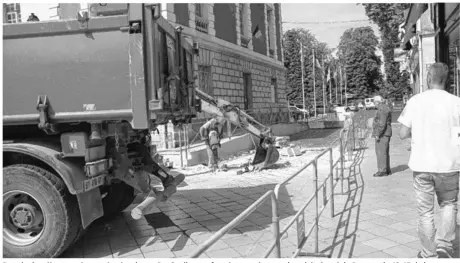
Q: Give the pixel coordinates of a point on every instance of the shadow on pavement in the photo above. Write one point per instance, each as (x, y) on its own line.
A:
(399, 168)
(348, 220)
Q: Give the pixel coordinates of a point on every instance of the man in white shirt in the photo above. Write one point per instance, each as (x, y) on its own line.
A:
(432, 121)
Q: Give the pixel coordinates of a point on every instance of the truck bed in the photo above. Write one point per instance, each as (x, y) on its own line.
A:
(80, 71)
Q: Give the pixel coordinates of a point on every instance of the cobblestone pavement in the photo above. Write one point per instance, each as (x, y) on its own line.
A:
(373, 217)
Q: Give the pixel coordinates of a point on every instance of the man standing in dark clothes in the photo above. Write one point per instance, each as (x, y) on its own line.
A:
(211, 133)
(382, 133)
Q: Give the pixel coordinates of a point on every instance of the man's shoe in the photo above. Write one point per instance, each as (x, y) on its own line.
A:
(380, 174)
(443, 252)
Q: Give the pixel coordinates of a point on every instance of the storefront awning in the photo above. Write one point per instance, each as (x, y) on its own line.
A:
(413, 15)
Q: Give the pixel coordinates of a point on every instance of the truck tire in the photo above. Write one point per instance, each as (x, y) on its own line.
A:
(41, 219)
(119, 197)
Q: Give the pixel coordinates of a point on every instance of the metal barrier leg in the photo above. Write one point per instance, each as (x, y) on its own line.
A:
(316, 207)
(276, 226)
(331, 165)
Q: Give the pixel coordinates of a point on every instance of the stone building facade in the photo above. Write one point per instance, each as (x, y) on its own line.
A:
(240, 54)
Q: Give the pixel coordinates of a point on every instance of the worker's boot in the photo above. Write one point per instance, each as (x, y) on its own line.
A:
(170, 186)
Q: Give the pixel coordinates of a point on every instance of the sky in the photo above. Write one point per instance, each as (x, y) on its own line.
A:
(41, 10)
(329, 33)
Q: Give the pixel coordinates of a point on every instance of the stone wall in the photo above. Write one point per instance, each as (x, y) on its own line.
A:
(227, 80)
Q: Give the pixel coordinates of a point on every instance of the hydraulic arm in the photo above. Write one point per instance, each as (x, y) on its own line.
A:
(266, 154)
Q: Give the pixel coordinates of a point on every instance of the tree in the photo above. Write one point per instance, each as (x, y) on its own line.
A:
(292, 60)
(357, 55)
(388, 17)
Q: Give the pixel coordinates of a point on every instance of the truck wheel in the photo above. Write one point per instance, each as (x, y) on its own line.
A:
(119, 197)
(40, 217)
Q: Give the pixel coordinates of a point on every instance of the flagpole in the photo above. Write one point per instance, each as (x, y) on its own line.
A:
(336, 87)
(330, 83)
(314, 81)
(341, 93)
(324, 87)
(346, 101)
(303, 85)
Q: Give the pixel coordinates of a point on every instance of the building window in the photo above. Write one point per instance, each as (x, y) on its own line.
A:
(247, 86)
(271, 30)
(244, 24)
(13, 13)
(201, 17)
(205, 79)
(274, 91)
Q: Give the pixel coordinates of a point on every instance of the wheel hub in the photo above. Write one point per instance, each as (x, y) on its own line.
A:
(25, 216)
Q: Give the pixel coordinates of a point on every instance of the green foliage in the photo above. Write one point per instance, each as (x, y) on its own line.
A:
(292, 61)
(357, 52)
(388, 17)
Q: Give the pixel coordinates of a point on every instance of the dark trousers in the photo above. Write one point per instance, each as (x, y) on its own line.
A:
(382, 150)
(212, 156)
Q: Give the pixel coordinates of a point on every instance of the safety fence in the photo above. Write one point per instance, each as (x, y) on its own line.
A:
(354, 131)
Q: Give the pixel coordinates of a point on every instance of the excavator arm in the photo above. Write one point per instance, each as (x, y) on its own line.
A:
(266, 154)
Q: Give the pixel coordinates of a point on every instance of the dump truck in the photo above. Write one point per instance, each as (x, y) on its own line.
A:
(80, 100)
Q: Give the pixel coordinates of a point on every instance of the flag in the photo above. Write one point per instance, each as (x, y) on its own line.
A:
(257, 33)
(318, 65)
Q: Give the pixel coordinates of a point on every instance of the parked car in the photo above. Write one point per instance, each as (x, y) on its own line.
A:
(369, 103)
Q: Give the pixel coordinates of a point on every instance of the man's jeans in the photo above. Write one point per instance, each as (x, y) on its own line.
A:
(445, 185)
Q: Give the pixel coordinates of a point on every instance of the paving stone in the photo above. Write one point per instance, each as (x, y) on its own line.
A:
(150, 244)
(401, 252)
(402, 226)
(384, 221)
(380, 243)
(401, 238)
(121, 243)
(170, 229)
(223, 253)
(160, 254)
(99, 255)
(126, 251)
(184, 221)
(378, 254)
(185, 251)
(382, 231)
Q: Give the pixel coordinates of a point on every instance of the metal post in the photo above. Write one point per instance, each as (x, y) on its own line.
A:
(314, 81)
(186, 142)
(331, 165)
(276, 225)
(180, 148)
(315, 164)
(303, 84)
(353, 134)
(341, 162)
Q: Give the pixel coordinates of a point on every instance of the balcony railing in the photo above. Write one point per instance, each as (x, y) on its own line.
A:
(201, 24)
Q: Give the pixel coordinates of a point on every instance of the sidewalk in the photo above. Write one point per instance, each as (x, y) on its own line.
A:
(384, 222)
(373, 218)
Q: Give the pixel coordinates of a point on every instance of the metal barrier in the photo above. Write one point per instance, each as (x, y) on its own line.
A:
(347, 135)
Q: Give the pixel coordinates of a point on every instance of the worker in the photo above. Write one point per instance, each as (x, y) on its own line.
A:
(211, 133)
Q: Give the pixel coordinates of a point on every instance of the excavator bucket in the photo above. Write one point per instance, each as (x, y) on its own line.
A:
(265, 158)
